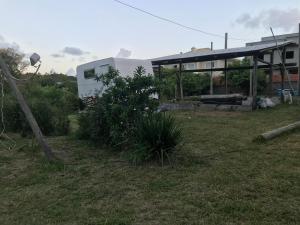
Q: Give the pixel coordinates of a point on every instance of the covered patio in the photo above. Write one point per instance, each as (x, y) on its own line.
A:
(254, 52)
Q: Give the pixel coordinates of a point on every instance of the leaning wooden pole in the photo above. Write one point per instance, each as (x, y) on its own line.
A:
(28, 114)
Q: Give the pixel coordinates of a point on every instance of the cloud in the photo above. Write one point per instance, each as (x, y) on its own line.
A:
(74, 51)
(57, 55)
(286, 20)
(124, 53)
(71, 72)
(81, 59)
(5, 44)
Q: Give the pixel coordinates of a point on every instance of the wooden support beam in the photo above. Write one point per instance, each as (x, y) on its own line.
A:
(211, 89)
(159, 77)
(225, 66)
(271, 71)
(28, 114)
(282, 70)
(180, 81)
(251, 82)
(254, 81)
(287, 65)
(264, 62)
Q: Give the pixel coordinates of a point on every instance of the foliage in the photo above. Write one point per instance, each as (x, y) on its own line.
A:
(193, 83)
(240, 78)
(112, 120)
(117, 116)
(157, 137)
(223, 177)
(14, 60)
(51, 99)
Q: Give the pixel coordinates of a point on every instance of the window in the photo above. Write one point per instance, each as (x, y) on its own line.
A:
(89, 74)
(289, 54)
(190, 66)
(293, 71)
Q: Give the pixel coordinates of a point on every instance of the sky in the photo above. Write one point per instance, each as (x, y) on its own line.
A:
(67, 33)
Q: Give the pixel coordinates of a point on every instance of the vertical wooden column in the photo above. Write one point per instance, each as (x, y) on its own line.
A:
(282, 69)
(211, 89)
(225, 67)
(159, 79)
(180, 81)
(254, 82)
(251, 82)
(271, 71)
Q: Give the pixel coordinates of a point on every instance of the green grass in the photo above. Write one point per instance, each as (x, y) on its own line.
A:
(219, 176)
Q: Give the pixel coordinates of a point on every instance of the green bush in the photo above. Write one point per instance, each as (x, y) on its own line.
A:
(51, 98)
(118, 116)
(193, 83)
(50, 105)
(157, 136)
(240, 79)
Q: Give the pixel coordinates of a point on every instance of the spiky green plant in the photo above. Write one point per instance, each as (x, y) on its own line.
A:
(159, 135)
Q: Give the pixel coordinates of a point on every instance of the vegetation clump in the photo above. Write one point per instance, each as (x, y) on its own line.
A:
(51, 97)
(125, 117)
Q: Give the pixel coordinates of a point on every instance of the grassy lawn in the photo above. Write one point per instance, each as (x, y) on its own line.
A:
(219, 176)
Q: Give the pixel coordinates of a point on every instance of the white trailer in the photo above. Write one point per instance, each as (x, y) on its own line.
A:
(86, 73)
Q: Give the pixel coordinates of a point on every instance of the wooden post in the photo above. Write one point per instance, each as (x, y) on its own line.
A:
(211, 90)
(271, 71)
(159, 79)
(180, 81)
(225, 66)
(254, 85)
(28, 114)
(251, 82)
(282, 70)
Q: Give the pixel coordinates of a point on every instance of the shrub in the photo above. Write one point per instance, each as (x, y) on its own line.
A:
(193, 83)
(118, 117)
(112, 120)
(50, 105)
(157, 137)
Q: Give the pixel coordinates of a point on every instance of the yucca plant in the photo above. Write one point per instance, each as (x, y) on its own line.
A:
(157, 136)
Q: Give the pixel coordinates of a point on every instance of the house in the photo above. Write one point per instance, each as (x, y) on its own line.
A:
(201, 65)
(291, 55)
(86, 73)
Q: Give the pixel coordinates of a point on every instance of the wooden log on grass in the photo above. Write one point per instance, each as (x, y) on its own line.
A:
(279, 131)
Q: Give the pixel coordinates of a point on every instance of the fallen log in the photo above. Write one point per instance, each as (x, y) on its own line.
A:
(279, 131)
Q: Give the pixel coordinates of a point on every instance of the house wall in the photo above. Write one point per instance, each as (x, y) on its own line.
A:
(280, 38)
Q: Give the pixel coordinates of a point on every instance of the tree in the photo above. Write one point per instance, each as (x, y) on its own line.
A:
(8, 64)
(240, 79)
(14, 60)
(193, 83)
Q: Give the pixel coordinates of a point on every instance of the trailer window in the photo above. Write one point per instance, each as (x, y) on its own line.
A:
(89, 74)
